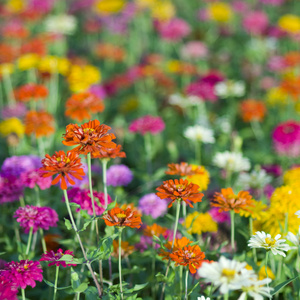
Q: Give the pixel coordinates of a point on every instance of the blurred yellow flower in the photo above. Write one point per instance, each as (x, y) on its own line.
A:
(163, 10)
(289, 23)
(257, 211)
(276, 95)
(28, 61)
(201, 179)
(130, 104)
(15, 6)
(108, 7)
(220, 12)
(173, 66)
(292, 176)
(12, 125)
(52, 64)
(6, 69)
(200, 222)
(262, 272)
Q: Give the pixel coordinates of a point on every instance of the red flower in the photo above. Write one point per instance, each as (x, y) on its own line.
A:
(31, 91)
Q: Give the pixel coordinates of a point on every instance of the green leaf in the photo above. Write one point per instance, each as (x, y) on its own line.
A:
(283, 284)
(52, 285)
(111, 205)
(136, 288)
(85, 225)
(68, 224)
(194, 287)
(91, 293)
(72, 204)
(81, 288)
(1, 253)
(66, 257)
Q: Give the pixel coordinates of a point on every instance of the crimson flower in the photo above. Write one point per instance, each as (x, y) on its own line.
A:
(55, 258)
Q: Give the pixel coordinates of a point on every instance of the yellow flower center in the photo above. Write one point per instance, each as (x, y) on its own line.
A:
(180, 186)
(229, 273)
(66, 159)
(270, 242)
(26, 266)
(88, 130)
(121, 216)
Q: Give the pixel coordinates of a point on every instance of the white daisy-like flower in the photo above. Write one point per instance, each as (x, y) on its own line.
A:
(262, 240)
(231, 161)
(226, 274)
(294, 238)
(230, 88)
(257, 179)
(256, 289)
(203, 298)
(200, 133)
(297, 213)
(62, 24)
(182, 101)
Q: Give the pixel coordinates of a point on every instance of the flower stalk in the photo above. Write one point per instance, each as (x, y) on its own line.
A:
(186, 284)
(29, 241)
(232, 230)
(55, 283)
(120, 260)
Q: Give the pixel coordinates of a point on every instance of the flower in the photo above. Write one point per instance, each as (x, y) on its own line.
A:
(190, 256)
(294, 238)
(230, 88)
(11, 189)
(180, 190)
(91, 137)
(231, 161)
(145, 124)
(203, 298)
(152, 205)
(12, 126)
(292, 176)
(39, 123)
(194, 50)
(199, 223)
(256, 289)
(65, 165)
(200, 134)
(55, 258)
(23, 273)
(36, 217)
(82, 105)
(112, 153)
(8, 289)
(255, 22)
(227, 200)
(154, 229)
(183, 169)
(263, 240)
(252, 110)
(257, 179)
(119, 175)
(201, 178)
(289, 23)
(178, 244)
(33, 177)
(257, 210)
(219, 217)
(17, 110)
(31, 92)
(122, 218)
(184, 101)
(126, 250)
(220, 12)
(61, 24)
(108, 7)
(174, 29)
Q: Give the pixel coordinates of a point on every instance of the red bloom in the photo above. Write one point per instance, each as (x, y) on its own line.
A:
(31, 91)
(55, 258)
(65, 165)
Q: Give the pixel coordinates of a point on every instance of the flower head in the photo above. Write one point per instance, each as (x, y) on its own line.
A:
(34, 178)
(151, 124)
(8, 289)
(180, 190)
(289, 23)
(39, 123)
(201, 177)
(54, 258)
(119, 175)
(122, 218)
(230, 88)
(252, 110)
(11, 189)
(64, 165)
(126, 250)
(199, 223)
(178, 244)
(200, 134)
(112, 153)
(31, 92)
(154, 229)
(174, 29)
(152, 205)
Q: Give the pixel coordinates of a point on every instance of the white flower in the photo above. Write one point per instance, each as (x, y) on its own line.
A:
(231, 161)
(230, 88)
(294, 238)
(63, 24)
(203, 298)
(226, 274)
(257, 179)
(223, 124)
(256, 289)
(181, 101)
(263, 240)
(297, 213)
(199, 133)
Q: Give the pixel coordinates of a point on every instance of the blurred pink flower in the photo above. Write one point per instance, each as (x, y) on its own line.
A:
(276, 63)
(255, 22)
(267, 82)
(33, 177)
(174, 30)
(203, 15)
(272, 2)
(194, 49)
(240, 6)
(147, 123)
(219, 217)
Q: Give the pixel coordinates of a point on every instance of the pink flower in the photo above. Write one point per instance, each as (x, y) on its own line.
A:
(147, 123)
(219, 217)
(23, 273)
(174, 29)
(267, 82)
(36, 217)
(255, 22)
(286, 138)
(240, 6)
(152, 205)
(194, 49)
(276, 63)
(55, 258)
(33, 177)
(272, 2)
(8, 289)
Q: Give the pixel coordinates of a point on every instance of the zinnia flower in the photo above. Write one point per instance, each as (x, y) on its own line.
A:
(122, 218)
(112, 153)
(183, 169)
(91, 137)
(199, 223)
(174, 29)
(31, 92)
(180, 190)
(55, 258)
(200, 134)
(119, 175)
(8, 289)
(65, 165)
(151, 124)
(154, 229)
(152, 205)
(34, 178)
(39, 123)
(255, 22)
(252, 110)
(178, 244)
(126, 250)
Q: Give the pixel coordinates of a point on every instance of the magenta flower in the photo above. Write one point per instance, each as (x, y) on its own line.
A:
(36, 217)
(8, 290)
(219, 217)
(147, 123)
(11, 188)
(152, 205)
(240, 6)
(55, 258)
(286, 138)
(194, 50)
(33, 177)
(174, 30)
(276, 63)
(255, 22)
(23, 273)
(119, 175)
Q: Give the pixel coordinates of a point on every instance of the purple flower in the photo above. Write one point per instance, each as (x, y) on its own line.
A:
(81, 197)
(152, 205)
(219, 217)
(23, 273)
(18, 111)
(119, 175)
(33, 177)
(147, 123)
(36, 217)
(55, 258)
(11, 188)
(98, 91)
(274, 170)
(8, 289)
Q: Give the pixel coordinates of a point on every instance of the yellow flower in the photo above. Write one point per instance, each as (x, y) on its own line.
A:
(200, 222)
(12, 125)
(287, 196)
(163, 10)
(262, 272)
(277, 95)
(130, 104)
(292, 176)
(201, 179)
(257, 211)
(15, 6)
(52, 64)
(173, 66)
(108, 7)
(6, 69)
(28, 61)
(290, 23)
(220, 12)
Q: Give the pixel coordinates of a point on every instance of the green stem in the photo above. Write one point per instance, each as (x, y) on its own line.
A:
(198, 152)
(29, 241)
(89, 159)
(232, 229)
(184, 209)
(251, 233)
(43, 240)
(23, 294)
(153, 270)
(266, 269)
(120, 261)
(55, 283)
(104, 168)
(8, 88)
(37, 194)
(186, 283)
(228, 178)
(180, 280)
(148, 150)
(226, 296)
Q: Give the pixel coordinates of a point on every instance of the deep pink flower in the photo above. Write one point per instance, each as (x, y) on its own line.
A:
(219, 217)
(33, 177)
(23, 273)
(147, 123)
(8, 289)
(55, 258)
(255, 22)
(174, 29)
(276, 63)
(194, 49)
(36, 217)
(286, 138)
(274, 170)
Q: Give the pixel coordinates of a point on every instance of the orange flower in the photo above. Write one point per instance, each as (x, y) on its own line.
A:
(227, 200)
(110, 52)
(122, 218)
(90, 137)
(65, 165)
(291, 86)
(112, 153)
(178, 244)
(81, 106)
(31, 91)
(191, 256)
(180, 190)
(252, 109)
(292, 59)
(126, 250)
(39, 123)
(182, 169)
(154, 230)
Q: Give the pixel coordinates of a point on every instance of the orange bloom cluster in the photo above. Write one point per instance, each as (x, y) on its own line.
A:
(227, 200)
(292, 87)
(31, 91)
(8, 53)
(178, 244)
(65, 165)
(91, 137)
(81, 106)
(180, 190)
(182, 169)
(122, 218)
(252, 110)
(126, 250)
(292, 59)
(110, 51)
(39, 123)
(154, 229)
(112, 153)
(35, 45)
